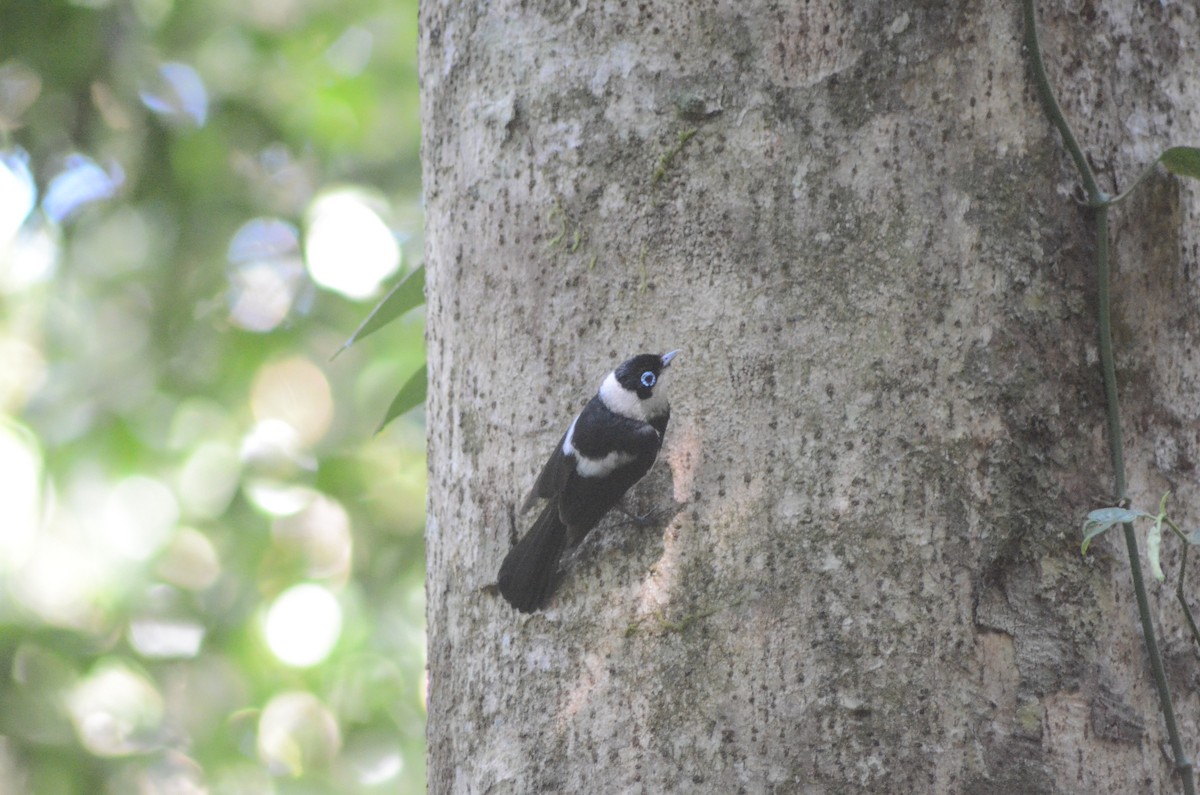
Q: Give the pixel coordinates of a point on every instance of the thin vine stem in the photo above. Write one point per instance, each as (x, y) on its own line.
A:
(1046, 92)
(1099, 203)
(1123, 195)
(1187, 611)
(1179, 592)
(1108, 367)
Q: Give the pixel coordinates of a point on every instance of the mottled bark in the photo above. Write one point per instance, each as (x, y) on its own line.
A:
(887, 423)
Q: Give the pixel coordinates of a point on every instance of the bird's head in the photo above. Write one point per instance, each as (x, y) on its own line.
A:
(634, 389)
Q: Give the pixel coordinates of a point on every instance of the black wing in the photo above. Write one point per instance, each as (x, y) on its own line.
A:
(660, 423)
(554, 476)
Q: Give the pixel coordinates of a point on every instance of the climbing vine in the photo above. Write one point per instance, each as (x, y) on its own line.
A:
(1181, 161)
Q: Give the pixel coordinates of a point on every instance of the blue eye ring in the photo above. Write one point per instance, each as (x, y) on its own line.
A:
(649, 379)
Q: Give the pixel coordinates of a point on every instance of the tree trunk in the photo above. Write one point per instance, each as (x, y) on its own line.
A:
(888, 423)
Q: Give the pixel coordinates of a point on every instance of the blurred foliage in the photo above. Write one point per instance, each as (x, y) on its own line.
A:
(211, 569)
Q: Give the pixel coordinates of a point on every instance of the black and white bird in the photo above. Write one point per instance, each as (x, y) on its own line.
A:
(607, 448)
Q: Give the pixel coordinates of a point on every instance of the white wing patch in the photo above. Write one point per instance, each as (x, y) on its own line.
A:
(600, 467)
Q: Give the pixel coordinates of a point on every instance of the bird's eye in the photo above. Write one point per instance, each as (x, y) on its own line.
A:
(648, 379)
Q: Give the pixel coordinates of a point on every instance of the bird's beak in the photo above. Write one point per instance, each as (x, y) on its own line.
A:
(667, 357)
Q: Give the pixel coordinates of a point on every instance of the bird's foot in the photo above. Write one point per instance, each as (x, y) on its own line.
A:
(650, 518)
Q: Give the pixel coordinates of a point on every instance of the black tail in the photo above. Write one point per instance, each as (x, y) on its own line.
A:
(529, 575)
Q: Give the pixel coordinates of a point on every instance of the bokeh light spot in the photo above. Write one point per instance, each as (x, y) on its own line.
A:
(266, 274)
(177, 94)
(348, 248)
(208, 480)
(20, 494)
(321, 534)
(18, 194)
(374, 759)
(115, 711)
(165, 638)
(19, 88)
(263, 239)
(31, 258)
(138, 517)
(59, 582)
(199, 419)
(297, 392)
(190, 561)
(80, 183)
(274, 461)
(303, 624)
(296, 733)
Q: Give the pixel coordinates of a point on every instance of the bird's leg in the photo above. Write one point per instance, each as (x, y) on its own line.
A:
(648, 519)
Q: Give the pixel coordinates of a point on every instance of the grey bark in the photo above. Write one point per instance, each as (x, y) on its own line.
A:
(887, 416)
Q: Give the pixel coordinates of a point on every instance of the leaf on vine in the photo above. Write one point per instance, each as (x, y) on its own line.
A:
(1154, 549)
(1162, 505)
(406, 295)
(1100, 521)
(1183, 161)
(411, 395)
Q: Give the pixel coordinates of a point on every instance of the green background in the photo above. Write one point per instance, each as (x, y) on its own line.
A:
(128, 384)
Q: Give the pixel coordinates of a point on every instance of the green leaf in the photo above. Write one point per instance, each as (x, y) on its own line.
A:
(1100, 521)
(1090, 532)
(1154, 550)
(1154, 540)
(406, 295)
(1183, 161)
(1114, 515)
(411, 395)
(1162, 505)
